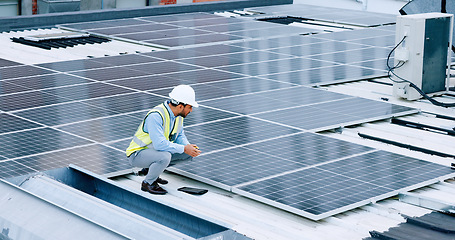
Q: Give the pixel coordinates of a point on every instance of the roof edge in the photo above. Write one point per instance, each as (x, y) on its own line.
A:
(51, 19)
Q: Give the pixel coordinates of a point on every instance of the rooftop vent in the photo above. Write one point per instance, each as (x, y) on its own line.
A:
(59, 40)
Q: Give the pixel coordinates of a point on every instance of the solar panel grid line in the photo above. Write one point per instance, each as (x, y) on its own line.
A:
(22, 77)
(316, 77)
(90, 131)
(56, 127)
(275, 66)
(106, 23)
(60, 103)
(127, 59)
(114, 161)
(376, 65)
(87, 91)
(64, 113)
(205, 22)
(372, 119)
(236, 131)
(245, 145)
(307, 50)
(246, 94)
(101, 118)
(47, 152)
(297, 169)
(344, 207)
(12, 123)
(17, 150)
(194, 41)
(354, 55)
(140, 22)
(199, 178)
(13, 169)
(18, 101)
(290, 100)
(319, 111)
(25, 129)
(430, 172)
(280, 42)
(118, 31)
(277, 123)
(381, 197)
(226, 60)
(227, 87)
(49, 88)
(180, 17)
(230, 27)
(162, 35)
(199, 51)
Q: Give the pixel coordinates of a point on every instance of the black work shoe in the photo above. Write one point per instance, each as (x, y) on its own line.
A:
(153, 188)
(143, 172)
(161, 181)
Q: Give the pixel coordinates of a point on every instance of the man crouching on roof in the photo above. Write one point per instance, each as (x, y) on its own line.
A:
(160, 139)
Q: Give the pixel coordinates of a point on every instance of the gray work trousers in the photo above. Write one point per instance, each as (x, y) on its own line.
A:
(156, 161)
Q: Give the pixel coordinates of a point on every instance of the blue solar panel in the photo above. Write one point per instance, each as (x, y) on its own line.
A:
(257, 116)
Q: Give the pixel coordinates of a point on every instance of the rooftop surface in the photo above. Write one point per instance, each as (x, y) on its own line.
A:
(81, 105)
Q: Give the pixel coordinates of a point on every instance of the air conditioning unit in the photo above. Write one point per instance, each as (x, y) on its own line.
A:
(423, 57)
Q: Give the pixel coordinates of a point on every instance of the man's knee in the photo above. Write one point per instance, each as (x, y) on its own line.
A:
(164, 158)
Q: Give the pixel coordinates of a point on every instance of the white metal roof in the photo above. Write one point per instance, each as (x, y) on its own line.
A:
(32, 55)
(261, 221)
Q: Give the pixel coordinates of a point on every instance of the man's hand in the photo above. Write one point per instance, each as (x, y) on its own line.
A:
(192, 150)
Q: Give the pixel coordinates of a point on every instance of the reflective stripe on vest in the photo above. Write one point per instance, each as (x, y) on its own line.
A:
(141, 138)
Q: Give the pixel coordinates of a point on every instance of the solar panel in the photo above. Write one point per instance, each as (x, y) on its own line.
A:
(9, 87)
(238, 26)
(273, 31)
(357, 55)
(275, 66)
(114, 127)
(194, 40)
(342, 16)
(47, 81)
(232, 87)
(7, 63)
(162, 67)
(333, 114)
(381, 41)
(63, 113)
(127, 59)
(12, 168)
(98, 158)
(74, 65)
(240, 130)
(9, 123)
(149, 82)
(234, 166)
(321, 191)
(281, 99)
(38, 141)
(21, 71)
(195, 52)
(104, 74)
(256, 117)
(332, 74)
(203, 76)
(28, 100)
(86, 91)
(181, 17)
(126, 102)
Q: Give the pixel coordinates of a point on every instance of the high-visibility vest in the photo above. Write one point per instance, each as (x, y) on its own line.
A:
(141, 138)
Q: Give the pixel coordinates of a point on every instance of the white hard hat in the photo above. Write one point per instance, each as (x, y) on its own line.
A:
(184, 94)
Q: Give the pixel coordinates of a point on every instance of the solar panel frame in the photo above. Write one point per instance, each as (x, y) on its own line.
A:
(11, 123)
(355, 200)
